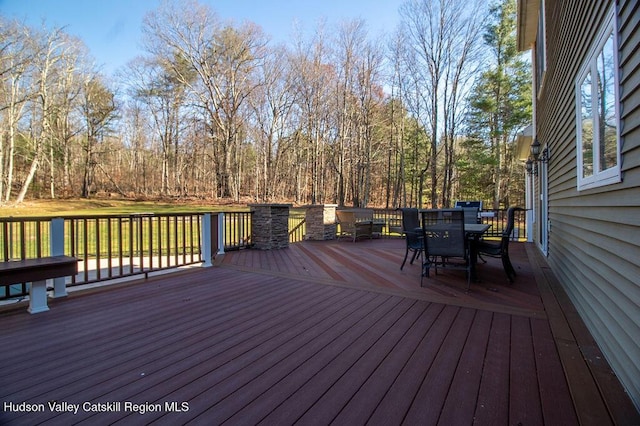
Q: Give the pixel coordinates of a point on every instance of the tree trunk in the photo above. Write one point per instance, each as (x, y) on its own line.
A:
(32, 171)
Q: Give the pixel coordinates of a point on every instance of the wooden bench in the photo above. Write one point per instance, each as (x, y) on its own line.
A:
(357, 223)
(37, 272)
(366, 215)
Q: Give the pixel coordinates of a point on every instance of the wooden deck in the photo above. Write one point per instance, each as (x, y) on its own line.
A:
(319, 333)
(375, 265)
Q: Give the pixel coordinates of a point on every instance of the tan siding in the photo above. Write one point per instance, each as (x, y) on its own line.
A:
(594, 241)
(631, 135)
(631, 101)
(631, 160)
(626, 214)
(610, 330)
(597, 235)
(604, 296)
(629, 20)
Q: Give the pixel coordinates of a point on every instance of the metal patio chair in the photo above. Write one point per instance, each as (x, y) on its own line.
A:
(412, 233)
(501, 249)
(445, 242)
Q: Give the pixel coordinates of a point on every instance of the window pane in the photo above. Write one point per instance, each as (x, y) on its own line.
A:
(607, 107)
(587, 126)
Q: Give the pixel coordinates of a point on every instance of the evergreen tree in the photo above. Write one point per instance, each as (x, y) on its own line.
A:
(500, 107)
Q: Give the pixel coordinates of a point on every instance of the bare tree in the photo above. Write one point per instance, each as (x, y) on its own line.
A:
(135, 133)
(49, 48)
(155, 84)
(98, 107)
(16, 59)
(350, 37)
(66, 88)
(223, 58)
(43, 78)
(272, 105)
(359, 97)
(214, 110)
(442, 34)
(312, 85)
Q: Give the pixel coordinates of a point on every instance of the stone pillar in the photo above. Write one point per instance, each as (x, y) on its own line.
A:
(320, 222)
(270, 226)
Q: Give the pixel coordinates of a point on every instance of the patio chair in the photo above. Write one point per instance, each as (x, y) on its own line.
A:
(477, 204)
(351, 226)
(471, 214)
(412, 233)
(445, 242)
(501, 249)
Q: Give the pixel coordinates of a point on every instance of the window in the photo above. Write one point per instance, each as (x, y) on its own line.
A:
(597, 112)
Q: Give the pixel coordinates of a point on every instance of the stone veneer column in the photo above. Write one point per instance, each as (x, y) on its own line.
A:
(270, 226)
(320, 222)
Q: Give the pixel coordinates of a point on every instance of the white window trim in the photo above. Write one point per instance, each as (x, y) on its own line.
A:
(540, 51)
(613, 174)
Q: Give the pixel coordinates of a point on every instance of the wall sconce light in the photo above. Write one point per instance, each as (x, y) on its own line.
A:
(532, 169)
(535, 157)
(535, 152)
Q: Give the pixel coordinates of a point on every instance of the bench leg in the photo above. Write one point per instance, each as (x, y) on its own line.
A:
(38, 297)
(59, 287)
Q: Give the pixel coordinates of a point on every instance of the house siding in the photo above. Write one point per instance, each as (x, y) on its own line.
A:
(594, 235)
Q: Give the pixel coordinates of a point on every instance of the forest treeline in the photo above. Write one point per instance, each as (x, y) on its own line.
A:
(420, 117)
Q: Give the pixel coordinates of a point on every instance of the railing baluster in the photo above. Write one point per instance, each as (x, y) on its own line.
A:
(159, 242)
(184, 241)
(191, 228)
(23, 247)
(96, 226)
(140, 241)
(120, 247)
(168, 231)
(109, 248)
(175, 239)
(131, 237)
(72, 243)
(150, 237)
(7, 241)
(38, 238)
(83, 251)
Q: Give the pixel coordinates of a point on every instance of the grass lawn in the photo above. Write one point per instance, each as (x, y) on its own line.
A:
(79, 207)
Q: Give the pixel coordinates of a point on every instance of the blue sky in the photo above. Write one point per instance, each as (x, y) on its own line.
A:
(111, 28)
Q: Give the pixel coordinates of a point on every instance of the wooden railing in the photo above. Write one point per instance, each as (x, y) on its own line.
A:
(496, 218)
(23, 238)
(297, 222)
(112, 247)
(237, 230)
(119, 246)
(498, 222)
(392, 219)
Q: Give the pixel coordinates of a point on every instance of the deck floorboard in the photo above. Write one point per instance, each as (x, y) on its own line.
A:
(319, 333)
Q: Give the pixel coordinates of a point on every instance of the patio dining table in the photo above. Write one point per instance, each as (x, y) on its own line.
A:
(474, 232)
(476, 229)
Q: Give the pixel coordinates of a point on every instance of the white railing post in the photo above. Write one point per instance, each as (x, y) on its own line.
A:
(221, 233)
(528, 179)
(56, 234)
(206, 240)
